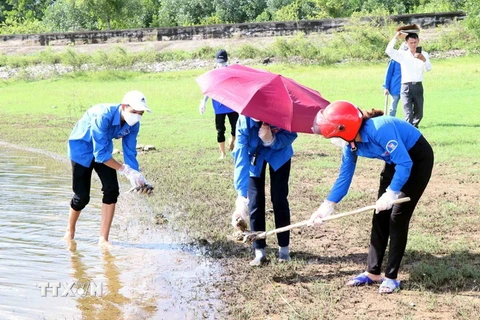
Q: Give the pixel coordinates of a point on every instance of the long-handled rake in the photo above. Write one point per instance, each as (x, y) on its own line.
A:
(249, 236)
(385, 107)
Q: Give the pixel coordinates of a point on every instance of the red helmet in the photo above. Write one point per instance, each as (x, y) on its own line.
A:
(339, 119)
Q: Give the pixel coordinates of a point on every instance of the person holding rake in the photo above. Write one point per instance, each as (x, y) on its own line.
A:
(408, 166)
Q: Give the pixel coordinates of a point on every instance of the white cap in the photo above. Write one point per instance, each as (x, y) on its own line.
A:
(136, 100)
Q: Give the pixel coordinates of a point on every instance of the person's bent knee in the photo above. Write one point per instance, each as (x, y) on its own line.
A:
(110, 197)
(78, 203)
(220, 137)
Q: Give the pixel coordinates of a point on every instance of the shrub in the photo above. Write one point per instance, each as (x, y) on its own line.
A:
(472, 20)
(247, 51)
(74, 59)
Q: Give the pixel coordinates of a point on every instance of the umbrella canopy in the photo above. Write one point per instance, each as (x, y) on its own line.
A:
(263, 95)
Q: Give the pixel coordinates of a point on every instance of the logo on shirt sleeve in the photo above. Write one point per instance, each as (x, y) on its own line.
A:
(391, 146)
(123, 133)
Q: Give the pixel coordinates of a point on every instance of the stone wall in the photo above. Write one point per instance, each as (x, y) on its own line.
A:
(261, 29)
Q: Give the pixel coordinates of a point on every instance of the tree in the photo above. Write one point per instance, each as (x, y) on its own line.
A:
(22, 16)
(299, 10)
(275, 5)
(439, 5)
(238, 11)
(72, 15)
(472, 21)
(184, 12)
(388, 6)
(150, 12)
(22, 10)
(69, 15)
(106, 10)
(114, 14)
(4, 7)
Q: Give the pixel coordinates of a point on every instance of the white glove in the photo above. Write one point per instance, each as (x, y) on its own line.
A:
(240, 213)
(385, 202)
(266, 135)
(136, 178)
(202, 106)
(325, 210)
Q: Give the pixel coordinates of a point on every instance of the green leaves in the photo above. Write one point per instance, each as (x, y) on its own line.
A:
(37, 16)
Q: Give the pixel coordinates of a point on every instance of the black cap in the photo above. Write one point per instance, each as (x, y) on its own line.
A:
(221, 56)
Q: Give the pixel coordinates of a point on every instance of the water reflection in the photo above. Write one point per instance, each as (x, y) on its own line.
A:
(145, 275)
(105, 299)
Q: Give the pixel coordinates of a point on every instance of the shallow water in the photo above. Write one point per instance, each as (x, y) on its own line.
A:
(145, 275)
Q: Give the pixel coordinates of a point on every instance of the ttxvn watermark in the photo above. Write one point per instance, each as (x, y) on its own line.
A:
(71, 289)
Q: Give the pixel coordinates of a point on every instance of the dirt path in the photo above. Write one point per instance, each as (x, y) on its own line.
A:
(22, 47)
(19, 48)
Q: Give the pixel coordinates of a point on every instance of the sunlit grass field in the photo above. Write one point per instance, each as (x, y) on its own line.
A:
(187, 174)
(451, 93)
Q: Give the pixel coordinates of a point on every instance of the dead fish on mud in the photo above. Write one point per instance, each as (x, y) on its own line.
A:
(148, 189)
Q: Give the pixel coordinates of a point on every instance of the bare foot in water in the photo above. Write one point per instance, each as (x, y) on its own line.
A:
(69, 235)
(71, 244)
(104, 244)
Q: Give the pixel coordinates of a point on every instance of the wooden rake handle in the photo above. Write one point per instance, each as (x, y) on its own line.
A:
(263, 235)
(385, 107)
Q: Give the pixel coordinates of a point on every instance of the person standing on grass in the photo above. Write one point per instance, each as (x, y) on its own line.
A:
(221, 111)
(259, 144)
(392, 83)
(408, 166)
(414, 62)
(90, 148)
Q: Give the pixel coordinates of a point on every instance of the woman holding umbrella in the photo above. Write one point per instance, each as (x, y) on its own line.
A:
(259, 144)
(408, 166)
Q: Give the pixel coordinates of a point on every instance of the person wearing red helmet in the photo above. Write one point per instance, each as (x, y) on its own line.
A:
(408, 166)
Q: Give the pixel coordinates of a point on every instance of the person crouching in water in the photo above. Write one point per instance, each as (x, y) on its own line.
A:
(90, 148)
(408, 166)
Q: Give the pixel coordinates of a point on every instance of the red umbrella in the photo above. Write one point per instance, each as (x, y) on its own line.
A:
(263, 95)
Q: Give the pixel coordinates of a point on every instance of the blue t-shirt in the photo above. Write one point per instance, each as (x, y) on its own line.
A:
(220, 108)
(386, 138)
(91, 138)
(393, 77)
(248, 143)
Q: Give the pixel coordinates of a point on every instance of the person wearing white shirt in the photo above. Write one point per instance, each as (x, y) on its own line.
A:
(413, 62)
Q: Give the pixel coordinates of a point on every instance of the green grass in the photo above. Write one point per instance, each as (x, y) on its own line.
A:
(450, 119)
(195, 192)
